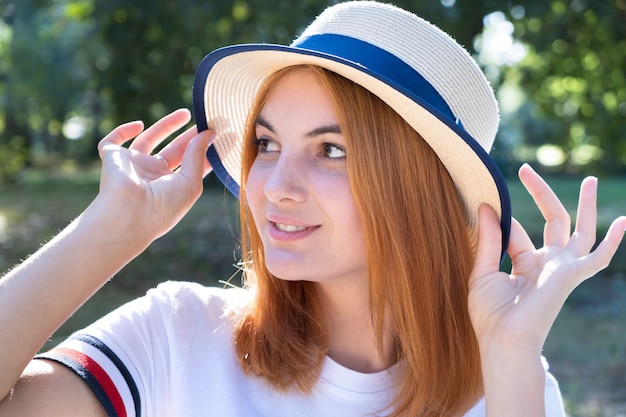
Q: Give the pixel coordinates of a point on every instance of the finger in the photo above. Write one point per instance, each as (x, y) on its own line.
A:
(584, 235)
(173, 152)
(489, 242)
(519, 242)
(120, 135)
(163, 161)
(558, 223)
(206, 165)
(158, 132)
(601, 257)
(194, 163)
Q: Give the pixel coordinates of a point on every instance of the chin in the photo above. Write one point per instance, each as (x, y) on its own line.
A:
(286, 274)
(287, 266)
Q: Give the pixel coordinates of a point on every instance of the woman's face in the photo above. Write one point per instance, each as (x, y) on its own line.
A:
(298, 189)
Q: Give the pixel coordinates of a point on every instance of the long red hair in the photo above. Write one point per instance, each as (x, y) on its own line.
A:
(419, 255)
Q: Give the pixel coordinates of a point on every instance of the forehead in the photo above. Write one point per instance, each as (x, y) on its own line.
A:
(298, 97)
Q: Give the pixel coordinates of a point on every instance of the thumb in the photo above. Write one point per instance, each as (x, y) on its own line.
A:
(489, 242)
(194, 163)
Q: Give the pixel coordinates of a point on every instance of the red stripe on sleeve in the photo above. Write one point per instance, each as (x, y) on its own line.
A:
(100, 375)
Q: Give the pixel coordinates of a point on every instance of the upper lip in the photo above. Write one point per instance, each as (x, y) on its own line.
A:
(287, 220)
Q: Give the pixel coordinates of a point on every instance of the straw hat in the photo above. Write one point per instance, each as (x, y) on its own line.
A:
(416, 68)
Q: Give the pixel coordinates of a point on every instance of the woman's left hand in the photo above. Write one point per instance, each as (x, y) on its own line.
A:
(517, 310)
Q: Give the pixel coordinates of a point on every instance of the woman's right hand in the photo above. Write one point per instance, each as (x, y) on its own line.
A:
(152, 192)
(141, 197)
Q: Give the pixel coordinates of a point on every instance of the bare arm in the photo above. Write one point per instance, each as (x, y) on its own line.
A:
(47, 389)
(512, 313)
(140, 199)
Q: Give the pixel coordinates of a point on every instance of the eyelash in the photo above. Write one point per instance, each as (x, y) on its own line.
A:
(325, 147)
(261, 145)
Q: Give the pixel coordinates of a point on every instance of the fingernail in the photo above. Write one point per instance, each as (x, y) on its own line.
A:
(526, 165)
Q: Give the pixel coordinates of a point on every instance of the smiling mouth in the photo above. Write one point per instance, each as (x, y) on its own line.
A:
(289, 227)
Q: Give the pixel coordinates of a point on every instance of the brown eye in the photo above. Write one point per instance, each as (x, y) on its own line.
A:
(264, 145)
(333, 151)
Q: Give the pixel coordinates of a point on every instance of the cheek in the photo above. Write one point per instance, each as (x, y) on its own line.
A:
(254, 190)
(351, 213)
(340, 204)
(354, 222)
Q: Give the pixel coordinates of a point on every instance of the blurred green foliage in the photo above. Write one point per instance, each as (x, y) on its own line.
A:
(574, 77)
(70, 70)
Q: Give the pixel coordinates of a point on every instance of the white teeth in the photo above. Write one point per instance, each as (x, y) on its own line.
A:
(289, 227)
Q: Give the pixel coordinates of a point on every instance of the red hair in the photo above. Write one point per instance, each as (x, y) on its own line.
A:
(419, 255)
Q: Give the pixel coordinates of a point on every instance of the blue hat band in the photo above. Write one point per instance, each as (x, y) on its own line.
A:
(382, 65)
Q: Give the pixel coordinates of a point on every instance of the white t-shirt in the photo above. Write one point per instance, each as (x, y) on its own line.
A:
(170, 353)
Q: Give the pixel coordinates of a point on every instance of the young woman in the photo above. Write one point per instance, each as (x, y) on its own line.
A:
(373, 224)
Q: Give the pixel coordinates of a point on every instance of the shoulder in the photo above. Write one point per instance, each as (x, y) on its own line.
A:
(136, 355)
(179, 294)
(169, 309)
(179, 300)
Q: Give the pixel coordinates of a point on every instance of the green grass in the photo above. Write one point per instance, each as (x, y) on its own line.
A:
(586, 348)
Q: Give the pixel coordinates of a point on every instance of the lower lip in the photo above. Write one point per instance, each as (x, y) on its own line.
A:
(284, 236)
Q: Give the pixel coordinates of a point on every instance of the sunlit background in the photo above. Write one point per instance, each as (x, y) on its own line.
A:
(71, 70)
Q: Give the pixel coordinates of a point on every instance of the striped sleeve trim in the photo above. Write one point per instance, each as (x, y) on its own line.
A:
(102, 370)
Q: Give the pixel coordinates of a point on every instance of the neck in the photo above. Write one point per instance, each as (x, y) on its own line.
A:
(351, 333)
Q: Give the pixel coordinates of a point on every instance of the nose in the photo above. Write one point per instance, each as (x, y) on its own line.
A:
(286, 180)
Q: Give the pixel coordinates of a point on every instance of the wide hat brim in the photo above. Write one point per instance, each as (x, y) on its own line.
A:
(227, 81)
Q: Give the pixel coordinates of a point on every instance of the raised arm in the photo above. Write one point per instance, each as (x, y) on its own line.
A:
(512, 314)
(141, 197)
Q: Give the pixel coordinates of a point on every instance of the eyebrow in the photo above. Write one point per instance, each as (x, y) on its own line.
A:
(318, 131)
